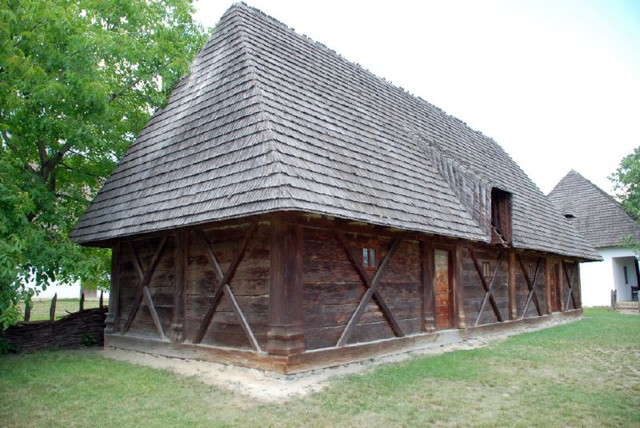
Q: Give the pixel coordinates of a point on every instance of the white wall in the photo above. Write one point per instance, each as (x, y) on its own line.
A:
(599, 278)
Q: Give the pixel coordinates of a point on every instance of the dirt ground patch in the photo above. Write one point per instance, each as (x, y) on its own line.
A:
(273, 387)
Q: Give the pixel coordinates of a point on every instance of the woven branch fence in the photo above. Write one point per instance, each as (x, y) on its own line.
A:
(85, 327)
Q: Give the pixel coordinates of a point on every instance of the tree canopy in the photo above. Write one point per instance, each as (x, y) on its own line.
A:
(626, 183)
(78, 81)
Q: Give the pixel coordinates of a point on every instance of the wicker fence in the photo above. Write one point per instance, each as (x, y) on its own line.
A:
(85, 327)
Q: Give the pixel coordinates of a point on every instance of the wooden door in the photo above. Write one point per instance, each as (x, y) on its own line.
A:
(443, 290)
(554, 285)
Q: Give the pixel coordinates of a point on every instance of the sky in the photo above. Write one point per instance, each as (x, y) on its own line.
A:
(555, 83)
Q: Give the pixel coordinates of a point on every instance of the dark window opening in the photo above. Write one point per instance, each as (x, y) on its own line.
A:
(368, 258)
(626, 275)
(569, 216)
(500, 216)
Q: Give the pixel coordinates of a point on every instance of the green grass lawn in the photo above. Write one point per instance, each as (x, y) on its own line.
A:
(40, 309)
(585, 373)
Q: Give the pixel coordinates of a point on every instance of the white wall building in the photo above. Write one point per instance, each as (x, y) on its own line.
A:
(601, 220)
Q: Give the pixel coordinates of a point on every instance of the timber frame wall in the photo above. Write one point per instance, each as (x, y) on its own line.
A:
(292, 292)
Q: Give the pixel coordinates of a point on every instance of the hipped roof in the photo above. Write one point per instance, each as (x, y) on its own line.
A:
(597, 216)
(269, 120)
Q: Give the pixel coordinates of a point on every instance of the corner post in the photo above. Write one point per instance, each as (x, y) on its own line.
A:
(286, 331)
(513, 307)
(428, 300)
(181, 260)
(457, 286)
(114, 290)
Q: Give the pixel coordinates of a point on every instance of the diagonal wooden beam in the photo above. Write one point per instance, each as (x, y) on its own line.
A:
(154, 314)
(226, 278)
(136, 260)
(371, 285)
(570, 288)
(531, 296)
(146, 279)
(241, 318)
(488, 297)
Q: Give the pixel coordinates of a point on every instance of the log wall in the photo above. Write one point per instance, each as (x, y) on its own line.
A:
(343, 301)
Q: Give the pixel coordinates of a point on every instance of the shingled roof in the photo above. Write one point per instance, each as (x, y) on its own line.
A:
(269, 120)
(597, 216)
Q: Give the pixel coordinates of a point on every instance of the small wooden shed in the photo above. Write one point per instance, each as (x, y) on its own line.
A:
(289, 210)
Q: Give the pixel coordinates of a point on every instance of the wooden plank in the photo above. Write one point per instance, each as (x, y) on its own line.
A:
(371, 285)
(513, 308)
(226, 278)
(427, 292)
(181, 260)
(487, 287)
(547, 271)
(146, 279)
(243, 321)
(136, 260)
(52, 309)
(531, 283)
(154, 314)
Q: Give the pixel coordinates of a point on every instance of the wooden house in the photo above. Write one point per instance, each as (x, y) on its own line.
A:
(289, 210)
(604, 224)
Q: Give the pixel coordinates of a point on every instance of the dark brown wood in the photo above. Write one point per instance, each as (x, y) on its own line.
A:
(144, 281)
(181, 256)
(114, 290)
(152, 311)
(547, 273)
(427, 292)
(531, 284)
(81, 305)
(488, 297)
(570, 291)
(513, 307)
(52, 309)
(457, 286)
(286, 329)
(27, 310)
(241, 318)
(371, 290)
(101, 300)
(226, 278)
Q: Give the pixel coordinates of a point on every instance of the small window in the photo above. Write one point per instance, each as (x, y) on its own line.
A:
(626, 275)
(486, 269)
(368, 258)
(569, 216)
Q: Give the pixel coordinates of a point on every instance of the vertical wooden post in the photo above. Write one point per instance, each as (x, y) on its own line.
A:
(548, 266)
(52, 310)
(114, 291)
(513, 306)
(101, 301)
(561, 285)
(578, 286)
(181, 260)
(457, 286)
(81, 299)
(428, 295)
(27, 310)
(286, 331)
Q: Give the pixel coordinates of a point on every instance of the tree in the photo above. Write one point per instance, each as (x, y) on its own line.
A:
(626, 183)
(78, 80)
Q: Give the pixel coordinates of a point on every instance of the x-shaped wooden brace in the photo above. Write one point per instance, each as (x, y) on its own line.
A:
(531, 283)
(570, 288)
(488, 297)
(372, 292)
(223, 288)
(143, 290)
